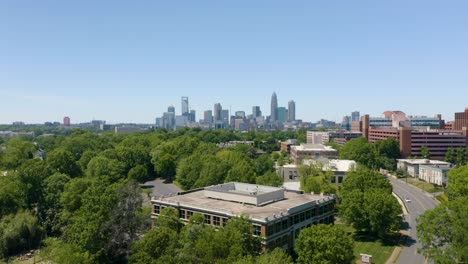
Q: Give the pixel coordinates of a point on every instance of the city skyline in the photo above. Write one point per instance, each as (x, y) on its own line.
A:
(125, 62)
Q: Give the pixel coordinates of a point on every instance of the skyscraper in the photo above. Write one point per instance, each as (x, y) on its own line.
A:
(185, 105)
(256, 111)
(217, 112)
(192, 116)
(355, 116)
(208, 117)
(171, 109)
(66, 121)
(291, 111)
(274, 108)
(282, 114)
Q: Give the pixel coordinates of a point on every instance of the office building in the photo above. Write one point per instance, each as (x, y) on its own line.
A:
(217, 112)
(168, 120)
(317, 137)
(355, 116)
(208, 117)
(290, 172)
(282, 114)
(193, 117)
(225, 117)
(274, 108)
(185, 105)
(461, 120)
(411, 166)
(312, 151)
(240, 114)
(66, 121)
(256, 111)
(291, 111)
(346, 123)
(277, 214)
(435, 174)
(286, 145)
(171, 109)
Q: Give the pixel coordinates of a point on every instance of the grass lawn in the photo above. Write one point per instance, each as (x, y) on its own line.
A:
(428, 187)
(380, 249)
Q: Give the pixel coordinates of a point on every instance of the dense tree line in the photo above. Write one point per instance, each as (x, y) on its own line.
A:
(443, 231)
(381, 154)
(79, 188)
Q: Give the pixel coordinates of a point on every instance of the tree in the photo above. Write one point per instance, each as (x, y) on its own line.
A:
(18, 232)
(188, 171)
(324, 244)
(264, 164)
(425, 154)
(58, 251)
(360, 150)
(457, 182)
(169, 218)
(63, 161)
(277, 256)
(363, 179)
(442, 232)
(213, 172)
(105, 167)
(450, 156)
(460, 159)
(32, 174)
(157, 246)
(12, 195)
(50, 209)
(126, 222)
(139, 173)
(314, 179)
(16, 152)
(241, 172)
(270, 178)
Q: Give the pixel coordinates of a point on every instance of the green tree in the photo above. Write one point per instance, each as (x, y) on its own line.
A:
(241, 172)
(460, 159)
(169, 218)
(264, 164)
(12, 195)
(32, 174)
(360, 150)
(105, 167)
(425, 154)
(324, 244)
(58, 251)
(18, 232)
(213, 172)
(457, 185)
(64, 161)
(270, 178)
(50, 209)
(314, 179)
(16, 152)
(450, 156)
(442, 232)
(189, 170)
(139, 173)
(157, 246)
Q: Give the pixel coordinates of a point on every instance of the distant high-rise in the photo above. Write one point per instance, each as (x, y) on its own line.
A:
(256, 111)
(291, 111)
(225, 116)
(346, 123)
(282, 114)
(185, 105)
(171, 109)
(355, 116)
(66, 121)
(192, 116)
(208, 117)
(274, 108)
(240, 114)
(217, 112)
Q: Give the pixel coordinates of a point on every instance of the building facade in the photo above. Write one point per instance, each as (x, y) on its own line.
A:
(461, 120)
(277, 215)
(312, 151)
(274, 108)
(66, 121)
(291, 111)
(435, 174)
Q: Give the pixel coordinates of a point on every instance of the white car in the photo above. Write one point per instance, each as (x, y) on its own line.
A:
(408, 200)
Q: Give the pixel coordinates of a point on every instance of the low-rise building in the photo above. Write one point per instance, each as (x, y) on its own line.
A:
(286, 145)
(435, 174)
(290, 172)
(312, 151)
(411, 166)
(277, 215)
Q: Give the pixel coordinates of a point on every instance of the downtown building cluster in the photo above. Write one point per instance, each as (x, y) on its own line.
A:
(280, 117)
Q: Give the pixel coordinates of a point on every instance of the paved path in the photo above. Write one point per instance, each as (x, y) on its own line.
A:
(160, 187)
(420, 202)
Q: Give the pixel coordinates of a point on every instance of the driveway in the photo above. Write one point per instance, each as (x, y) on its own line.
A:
(161, 188)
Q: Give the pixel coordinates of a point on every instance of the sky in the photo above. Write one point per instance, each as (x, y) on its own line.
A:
(127, 61)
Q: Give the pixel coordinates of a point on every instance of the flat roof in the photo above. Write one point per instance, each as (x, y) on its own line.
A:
(423, 161)
(292, 203)
(312, 147)
(439, 166)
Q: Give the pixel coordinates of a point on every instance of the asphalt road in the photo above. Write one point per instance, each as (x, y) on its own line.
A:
(420, 202)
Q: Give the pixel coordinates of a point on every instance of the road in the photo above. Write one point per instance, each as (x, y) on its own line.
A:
(420, 202)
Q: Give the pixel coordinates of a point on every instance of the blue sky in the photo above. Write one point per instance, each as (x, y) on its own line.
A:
(126, 61)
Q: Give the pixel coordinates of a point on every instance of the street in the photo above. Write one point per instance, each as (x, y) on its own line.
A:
(419, 202)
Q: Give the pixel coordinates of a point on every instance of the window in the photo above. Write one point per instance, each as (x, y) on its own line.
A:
(308, 214)
(157, 209)
(182, 214)
(189, 214)
(225, 221)
(296, 219)
(285, 224)
(216, 220)
(270, 230)
(258, 230)
(208, 219)
(302, 216)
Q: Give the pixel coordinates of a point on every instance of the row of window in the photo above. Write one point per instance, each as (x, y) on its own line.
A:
(298, 218)
(186, 214)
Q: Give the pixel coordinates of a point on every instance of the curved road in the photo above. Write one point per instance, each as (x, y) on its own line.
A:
(420, 202)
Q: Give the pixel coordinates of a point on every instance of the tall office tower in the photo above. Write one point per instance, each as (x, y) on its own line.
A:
(240, 114)
(282, 114)
(291, 111)
(355, 116)
(225, 116)
(461, 120)
(346, 123)
(168, 120)
(208, 117)
(217, 112)
(66, 121)
(192, 116)
(171, 109)
(185, 105)
(256, 111)
(274, 108)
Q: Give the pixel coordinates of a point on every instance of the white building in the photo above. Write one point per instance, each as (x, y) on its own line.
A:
(435, 174)
(312, 151)
(411, 166)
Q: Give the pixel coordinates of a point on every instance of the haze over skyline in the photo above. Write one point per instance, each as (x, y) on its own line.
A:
(127, 62)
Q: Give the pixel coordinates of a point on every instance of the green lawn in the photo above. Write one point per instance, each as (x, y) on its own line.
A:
(379, 249)
(428, 187)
